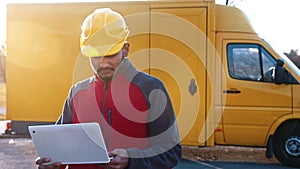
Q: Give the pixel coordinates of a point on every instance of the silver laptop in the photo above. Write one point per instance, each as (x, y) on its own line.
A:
(70, 143)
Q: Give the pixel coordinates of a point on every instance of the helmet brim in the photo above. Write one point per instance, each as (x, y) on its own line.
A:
(103, 50)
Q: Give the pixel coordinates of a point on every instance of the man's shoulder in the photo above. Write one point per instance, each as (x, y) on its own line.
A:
(146, 80)
(85, 83)
(82, 85)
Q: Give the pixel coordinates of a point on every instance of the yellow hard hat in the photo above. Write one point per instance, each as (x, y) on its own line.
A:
(104, 33)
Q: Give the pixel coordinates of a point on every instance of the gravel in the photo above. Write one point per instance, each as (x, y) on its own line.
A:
(228, 154)
(17, 153)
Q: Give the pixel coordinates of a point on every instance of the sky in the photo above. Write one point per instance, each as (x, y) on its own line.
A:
(274, 20)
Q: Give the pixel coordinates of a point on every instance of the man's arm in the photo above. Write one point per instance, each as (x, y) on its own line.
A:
(66, 115)
(165, 150)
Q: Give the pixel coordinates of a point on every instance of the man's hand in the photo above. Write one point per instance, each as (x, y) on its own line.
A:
(45, 163)
(119, 161)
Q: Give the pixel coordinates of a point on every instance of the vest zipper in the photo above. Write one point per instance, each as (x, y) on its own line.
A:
(103, 104)
(103, 109)
(109, 113)
(102, 112)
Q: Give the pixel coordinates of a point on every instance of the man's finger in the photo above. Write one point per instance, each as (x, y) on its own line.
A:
(40, 161)
(56, 165)
(120, 152)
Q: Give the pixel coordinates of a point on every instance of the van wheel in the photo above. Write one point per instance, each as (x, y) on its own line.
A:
(286, 144)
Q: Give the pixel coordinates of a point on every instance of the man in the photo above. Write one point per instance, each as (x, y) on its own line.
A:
(133, 109)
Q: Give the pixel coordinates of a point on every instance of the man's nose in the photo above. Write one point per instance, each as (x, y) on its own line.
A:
(103, 62)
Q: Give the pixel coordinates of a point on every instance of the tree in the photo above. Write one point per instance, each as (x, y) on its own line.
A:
(294, 57)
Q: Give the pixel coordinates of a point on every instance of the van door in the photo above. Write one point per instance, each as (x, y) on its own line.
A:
(178, 57)
(253, 101)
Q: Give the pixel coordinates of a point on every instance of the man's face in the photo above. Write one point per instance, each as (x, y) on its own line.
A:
(105, 66)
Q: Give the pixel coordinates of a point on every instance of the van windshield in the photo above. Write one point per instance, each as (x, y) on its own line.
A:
(295, 70)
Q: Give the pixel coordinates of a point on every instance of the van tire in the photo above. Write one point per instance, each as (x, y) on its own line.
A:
(286, 144)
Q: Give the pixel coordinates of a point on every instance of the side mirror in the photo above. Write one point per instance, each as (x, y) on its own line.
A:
(281, 75)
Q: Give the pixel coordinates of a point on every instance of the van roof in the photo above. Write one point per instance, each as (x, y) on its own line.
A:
(87, 1)
(231, 19)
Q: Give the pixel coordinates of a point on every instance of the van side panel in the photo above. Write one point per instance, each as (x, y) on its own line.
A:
(178, 57)
(296, 100)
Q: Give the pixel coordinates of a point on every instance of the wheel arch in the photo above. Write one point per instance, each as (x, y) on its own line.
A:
(279, 123)
(286, 143)
(291, 118)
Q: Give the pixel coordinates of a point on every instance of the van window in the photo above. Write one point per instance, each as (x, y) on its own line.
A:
(268, 64)
(250, 62)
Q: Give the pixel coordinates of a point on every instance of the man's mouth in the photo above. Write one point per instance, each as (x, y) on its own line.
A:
(105, 71)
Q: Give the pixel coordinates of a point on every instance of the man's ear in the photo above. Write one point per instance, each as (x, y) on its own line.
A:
(126, 49)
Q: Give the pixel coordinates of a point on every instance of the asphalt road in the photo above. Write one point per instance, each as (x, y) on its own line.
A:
(19, 153)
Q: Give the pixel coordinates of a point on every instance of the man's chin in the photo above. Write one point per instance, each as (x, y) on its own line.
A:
(105, 78)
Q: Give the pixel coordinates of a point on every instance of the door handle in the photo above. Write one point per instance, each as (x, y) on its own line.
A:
(233, 91)
(192, 87)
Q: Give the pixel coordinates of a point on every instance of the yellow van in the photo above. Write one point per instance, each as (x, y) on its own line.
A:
(228, 86)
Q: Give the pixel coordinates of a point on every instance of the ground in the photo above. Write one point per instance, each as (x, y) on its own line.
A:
(19, 153)
(227, 153)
